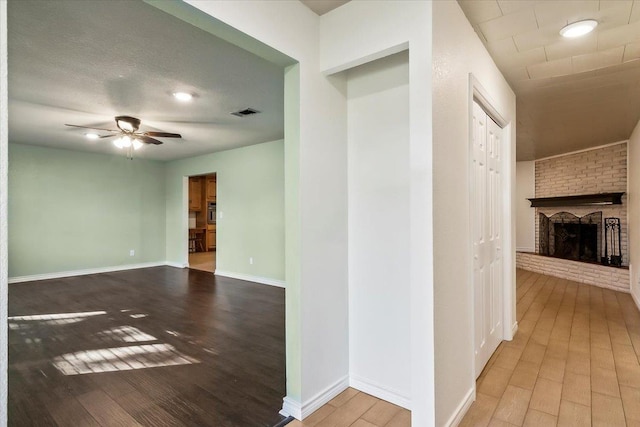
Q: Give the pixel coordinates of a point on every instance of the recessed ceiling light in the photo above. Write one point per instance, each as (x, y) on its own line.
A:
(92, 135)
(183, 96)
(579, 28)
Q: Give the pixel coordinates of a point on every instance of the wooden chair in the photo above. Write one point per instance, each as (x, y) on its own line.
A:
(196, 244)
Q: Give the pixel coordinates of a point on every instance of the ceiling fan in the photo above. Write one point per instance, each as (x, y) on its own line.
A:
(129, 136)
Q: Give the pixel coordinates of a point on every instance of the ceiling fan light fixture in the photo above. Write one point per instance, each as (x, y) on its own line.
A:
(126, 141)
(127, 135)
(183, 96)
(577, 29)
(127, 123)
(124, 125)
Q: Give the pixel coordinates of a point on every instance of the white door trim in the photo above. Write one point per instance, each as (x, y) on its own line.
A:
(480, 95)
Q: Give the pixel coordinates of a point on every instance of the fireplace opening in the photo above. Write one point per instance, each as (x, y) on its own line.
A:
(567, 236)
(576, 241)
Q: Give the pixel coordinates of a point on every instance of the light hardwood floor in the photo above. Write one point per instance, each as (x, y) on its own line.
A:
(205, 261)
(356, 409)
(573, 362)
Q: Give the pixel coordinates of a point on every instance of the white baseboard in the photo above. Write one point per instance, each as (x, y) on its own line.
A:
(299, 411)
(462, 408)
(110, 269)
(291, 408)
(72, 273)
(379, 391)
(176, 264)
(249, 278)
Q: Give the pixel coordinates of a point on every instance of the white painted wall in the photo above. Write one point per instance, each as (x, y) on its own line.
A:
(378, 150)
(525, 214)
(633, 198)
(315, 194)
(359, 32)
(457, 52)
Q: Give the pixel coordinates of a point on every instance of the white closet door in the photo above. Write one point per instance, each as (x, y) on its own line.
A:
(487, 235)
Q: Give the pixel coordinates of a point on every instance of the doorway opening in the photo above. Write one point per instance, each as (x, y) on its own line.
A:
(202, 213)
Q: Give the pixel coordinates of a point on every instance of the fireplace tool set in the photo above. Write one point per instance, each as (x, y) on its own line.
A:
(612, 251)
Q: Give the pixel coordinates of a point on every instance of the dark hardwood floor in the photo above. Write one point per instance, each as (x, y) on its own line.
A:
(156, 347)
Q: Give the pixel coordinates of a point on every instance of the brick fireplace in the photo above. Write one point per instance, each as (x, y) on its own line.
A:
(570, 236)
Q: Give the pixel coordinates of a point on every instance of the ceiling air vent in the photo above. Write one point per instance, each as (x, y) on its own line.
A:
(246, 112)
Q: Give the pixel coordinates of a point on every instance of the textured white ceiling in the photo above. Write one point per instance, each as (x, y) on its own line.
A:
(84, 62)
(571, 93)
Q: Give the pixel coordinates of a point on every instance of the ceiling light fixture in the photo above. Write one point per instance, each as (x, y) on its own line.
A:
(127, 135)
(183, 96)
(125, 126)
(579, 28)
(127, 123)
(127, 143)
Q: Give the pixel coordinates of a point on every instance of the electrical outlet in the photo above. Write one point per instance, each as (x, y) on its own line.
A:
(132, 252)
(221, 215)
(251, 260)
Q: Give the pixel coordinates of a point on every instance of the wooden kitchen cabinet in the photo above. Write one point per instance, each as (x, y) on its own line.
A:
(211, 188)
(195, 194)
(211, 236)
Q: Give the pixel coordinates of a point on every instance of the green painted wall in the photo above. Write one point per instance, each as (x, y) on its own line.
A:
(250, 198)
(71, 210)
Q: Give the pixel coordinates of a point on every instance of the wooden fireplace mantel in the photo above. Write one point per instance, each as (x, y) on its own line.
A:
(581, 200)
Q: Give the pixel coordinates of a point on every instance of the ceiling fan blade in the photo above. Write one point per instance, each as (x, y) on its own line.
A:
(108, 136)
(87, 127)
(149, 140)
(163, 134)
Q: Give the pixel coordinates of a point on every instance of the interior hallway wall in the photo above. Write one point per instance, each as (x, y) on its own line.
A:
(72, 210)
(633, 199)
(358, 33)
(457, 52)
(525, 214)
(4, 262)
(315, 152)
(379, 292)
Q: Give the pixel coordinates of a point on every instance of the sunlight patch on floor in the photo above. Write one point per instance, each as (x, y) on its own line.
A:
(138, 316)
(126, 334)
(21, 322)
(121, 359)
